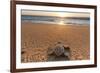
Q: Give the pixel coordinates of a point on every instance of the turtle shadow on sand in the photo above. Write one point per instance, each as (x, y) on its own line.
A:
(58, 52)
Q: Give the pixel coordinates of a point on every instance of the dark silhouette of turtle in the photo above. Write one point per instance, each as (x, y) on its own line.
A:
(59, 50)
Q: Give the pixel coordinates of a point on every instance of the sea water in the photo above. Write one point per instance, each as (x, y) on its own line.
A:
(56, 20)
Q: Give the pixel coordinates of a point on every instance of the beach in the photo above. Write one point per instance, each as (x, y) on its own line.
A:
(36, 38)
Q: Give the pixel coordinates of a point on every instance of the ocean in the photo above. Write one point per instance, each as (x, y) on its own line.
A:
(56, 20)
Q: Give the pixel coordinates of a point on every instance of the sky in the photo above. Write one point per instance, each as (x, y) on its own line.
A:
(55, 13)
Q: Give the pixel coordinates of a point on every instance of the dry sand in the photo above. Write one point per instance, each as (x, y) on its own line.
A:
(35, 39)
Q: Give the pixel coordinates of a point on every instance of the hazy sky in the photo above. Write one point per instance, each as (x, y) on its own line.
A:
(59, 14)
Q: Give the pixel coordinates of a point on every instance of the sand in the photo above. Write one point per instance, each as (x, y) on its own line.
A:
(36, 38)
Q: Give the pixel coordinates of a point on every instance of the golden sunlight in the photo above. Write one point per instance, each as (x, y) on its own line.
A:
(61, 15)
(61, 22)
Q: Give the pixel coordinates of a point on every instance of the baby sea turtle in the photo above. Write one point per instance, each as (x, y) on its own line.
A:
(59, 49)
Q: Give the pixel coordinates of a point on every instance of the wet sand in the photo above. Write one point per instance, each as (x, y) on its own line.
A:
(36, 38)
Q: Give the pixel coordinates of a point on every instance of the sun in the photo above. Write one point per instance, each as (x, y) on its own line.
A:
(62, 15)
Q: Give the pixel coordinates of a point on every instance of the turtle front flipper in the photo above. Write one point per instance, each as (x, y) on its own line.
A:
(67, 52)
